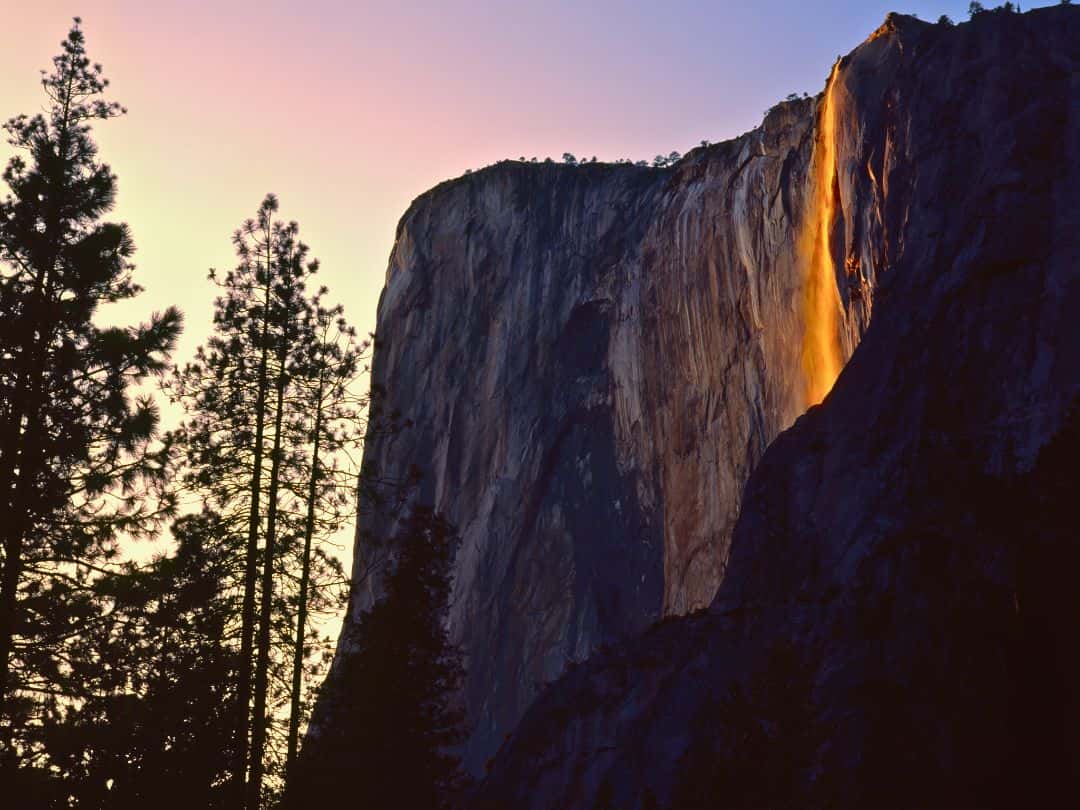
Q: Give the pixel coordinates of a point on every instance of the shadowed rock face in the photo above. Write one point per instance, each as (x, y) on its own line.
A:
(877, 531)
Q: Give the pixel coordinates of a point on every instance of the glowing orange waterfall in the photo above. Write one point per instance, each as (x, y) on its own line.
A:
(820, 300)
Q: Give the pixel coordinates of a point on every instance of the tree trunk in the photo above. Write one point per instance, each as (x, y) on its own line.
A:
(305, 576)
(262, 664)
(251, 562)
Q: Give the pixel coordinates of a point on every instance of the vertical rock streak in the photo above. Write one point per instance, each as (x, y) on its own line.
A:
(820, 301)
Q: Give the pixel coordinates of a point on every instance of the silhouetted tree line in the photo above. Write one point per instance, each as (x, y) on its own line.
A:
(185, 681)
(975, 9)
(570, 159)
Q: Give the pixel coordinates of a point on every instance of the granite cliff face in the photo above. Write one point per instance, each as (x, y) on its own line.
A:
(595, 358)
(910, 533)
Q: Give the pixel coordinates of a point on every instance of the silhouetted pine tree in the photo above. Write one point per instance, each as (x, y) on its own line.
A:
(249, 442)
(287, 311)
(226, 397)
(155, 730)
(224, 393)
(395, 718)
(77, 466)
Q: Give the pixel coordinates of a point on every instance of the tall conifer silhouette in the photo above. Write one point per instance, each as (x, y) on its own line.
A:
(249, 444)
(77, 457)
(394, 695)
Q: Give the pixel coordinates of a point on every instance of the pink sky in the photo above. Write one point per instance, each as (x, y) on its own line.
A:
(348, 110)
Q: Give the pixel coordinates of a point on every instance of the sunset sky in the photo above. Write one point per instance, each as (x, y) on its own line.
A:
(348, 110)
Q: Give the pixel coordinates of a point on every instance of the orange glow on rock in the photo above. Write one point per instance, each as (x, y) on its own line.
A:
(821, 361)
